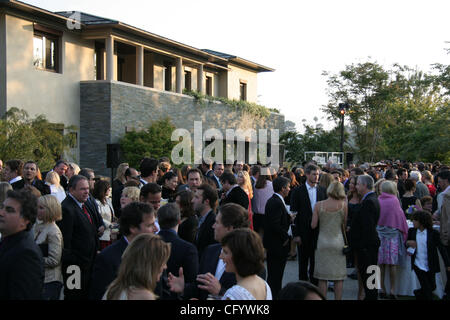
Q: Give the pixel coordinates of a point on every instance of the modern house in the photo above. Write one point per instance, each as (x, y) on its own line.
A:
(106, 77)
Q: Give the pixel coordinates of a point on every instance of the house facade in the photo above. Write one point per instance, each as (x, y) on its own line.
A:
(105, 77)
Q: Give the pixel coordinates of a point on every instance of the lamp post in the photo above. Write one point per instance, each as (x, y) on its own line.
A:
(342, 108)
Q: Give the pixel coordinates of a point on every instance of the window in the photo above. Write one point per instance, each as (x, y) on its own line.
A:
(46, 51)
(208, 86)
(243, 91)
(188, 80)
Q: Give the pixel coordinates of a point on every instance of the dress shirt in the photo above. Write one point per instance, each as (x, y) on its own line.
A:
(421, 260)
(18, 178)
(312, 193)
(220, 269)
(77, 202)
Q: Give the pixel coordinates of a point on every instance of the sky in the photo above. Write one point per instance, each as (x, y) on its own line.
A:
(299, 39)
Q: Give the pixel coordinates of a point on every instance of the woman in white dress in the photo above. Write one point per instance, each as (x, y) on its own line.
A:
(52, 179)
(143, 262)
(243, 254)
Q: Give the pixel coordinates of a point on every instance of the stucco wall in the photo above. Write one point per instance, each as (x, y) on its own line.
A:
(234, 76)
(37, 91)
(136, 107)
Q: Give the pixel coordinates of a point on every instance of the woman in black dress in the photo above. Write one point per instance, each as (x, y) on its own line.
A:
(189, 221)
(169, 186)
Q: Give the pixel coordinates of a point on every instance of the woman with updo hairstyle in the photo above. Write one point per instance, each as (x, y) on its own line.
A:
(72, 170)
(143, 262)
(49, 238)
(243, 254)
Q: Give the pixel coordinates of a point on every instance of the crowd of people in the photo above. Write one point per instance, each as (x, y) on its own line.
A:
(161, 232)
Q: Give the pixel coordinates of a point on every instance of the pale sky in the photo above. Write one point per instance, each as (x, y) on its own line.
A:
(299, 39)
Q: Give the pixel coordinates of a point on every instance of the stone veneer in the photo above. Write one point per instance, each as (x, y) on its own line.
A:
(109, 108)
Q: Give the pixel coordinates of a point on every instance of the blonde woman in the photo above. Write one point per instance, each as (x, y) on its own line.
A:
(377, 186)
(72, 170)
(120, 180)
(243, 180)
(143, 262)
(52, 179)
(49, 238)
(330, 262)
(129, 194)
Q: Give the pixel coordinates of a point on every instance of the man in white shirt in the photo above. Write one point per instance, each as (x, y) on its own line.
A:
(13, 171)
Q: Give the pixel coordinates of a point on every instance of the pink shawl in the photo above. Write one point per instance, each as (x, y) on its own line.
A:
(391, 213)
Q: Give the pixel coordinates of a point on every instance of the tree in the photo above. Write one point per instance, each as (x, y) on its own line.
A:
(315, 138)
(395, 113)
(32, 139)
(153, 142)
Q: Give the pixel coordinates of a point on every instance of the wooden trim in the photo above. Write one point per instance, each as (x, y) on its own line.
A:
(41, 28)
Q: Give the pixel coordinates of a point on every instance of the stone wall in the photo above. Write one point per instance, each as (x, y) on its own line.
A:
(108, 109)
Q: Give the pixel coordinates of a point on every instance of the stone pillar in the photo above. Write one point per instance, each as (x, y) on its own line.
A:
(109, 45)
(200, 86)
(140, 65)
(180, 75)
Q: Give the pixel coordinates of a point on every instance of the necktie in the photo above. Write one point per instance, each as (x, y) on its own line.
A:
(86, 213)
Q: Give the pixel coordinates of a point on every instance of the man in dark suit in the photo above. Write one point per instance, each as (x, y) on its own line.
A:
(363, 235)
(29, 178)
(183, 254)
(92, 205)
(204, 204)
(276, 239)
(136, 218)
(303, 200)
(21, 262)
(232, 192)
(80, 238)
(60, 168)
(212, 278)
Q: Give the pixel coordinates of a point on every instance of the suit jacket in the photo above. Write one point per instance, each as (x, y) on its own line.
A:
(38, 184)
(301, 204)
(205, 234)
(363, 232)
(105, 268)
(276, 224)
(238, 196)
(183, 254)
(208, 263)
(79, 235)
(21, 268)
(433, 244)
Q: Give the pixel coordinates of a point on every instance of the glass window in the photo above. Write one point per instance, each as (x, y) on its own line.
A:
(45, 55)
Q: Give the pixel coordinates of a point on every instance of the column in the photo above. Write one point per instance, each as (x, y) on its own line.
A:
(140, 65)
(109, 44)
(180, 75)
(200, 87)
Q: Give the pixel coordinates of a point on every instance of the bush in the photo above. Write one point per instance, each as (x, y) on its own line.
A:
(153, 142)
(32, 139)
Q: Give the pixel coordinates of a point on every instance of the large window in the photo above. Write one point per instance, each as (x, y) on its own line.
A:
(46, 52)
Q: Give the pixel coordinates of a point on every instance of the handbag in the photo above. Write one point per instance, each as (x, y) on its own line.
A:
(346, 249)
